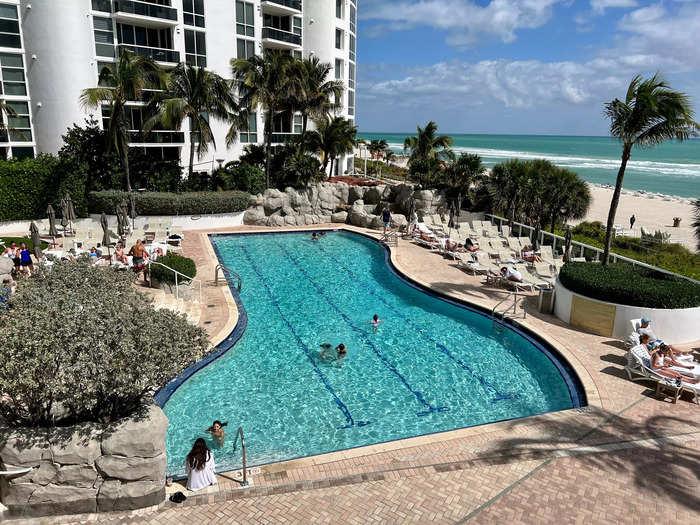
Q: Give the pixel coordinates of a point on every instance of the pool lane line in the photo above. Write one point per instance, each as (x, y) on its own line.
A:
(418, 395)
(500, 396)
(342, 406)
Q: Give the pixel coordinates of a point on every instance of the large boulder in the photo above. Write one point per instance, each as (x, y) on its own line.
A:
(299, 200)
(82, 476)
(80, 446)
(374, 195)
(254, 216)
(376, 222)
(115, 495)
(132, 468)
(398, 221)
(401, 196)
(356, 193)
(276, 220)
(340, 217)
(6, 267)
(429, 201)
(142, 435)
(274, 200)
(358, 216)
(62, 499)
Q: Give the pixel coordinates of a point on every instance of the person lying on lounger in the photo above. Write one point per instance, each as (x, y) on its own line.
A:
(661, 363)
(470, 245)
(453, 246)
(645, 329)
(530, 256)
(511, 274)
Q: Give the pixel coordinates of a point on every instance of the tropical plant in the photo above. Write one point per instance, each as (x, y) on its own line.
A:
(389, 156)
(299, 169)
(565, 196)
(197, 95)
(427, 144)
(426, 172)
(504, 185)
(179, 263)
(332, 137)
(269, 82)
(254, 154)
(314, 95)
(463, 174)
(377, 147)
(124, 81)
(82, 344)
(696, 222)
(651, 113)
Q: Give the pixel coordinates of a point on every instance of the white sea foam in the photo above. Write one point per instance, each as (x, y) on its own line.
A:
(571, 161)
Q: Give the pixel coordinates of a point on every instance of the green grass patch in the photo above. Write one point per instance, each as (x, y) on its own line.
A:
(19, 240)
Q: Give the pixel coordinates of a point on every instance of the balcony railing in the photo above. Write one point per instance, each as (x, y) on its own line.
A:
(282, 138)
(154, 53)
(157, 137)
(135, 7)
(282, 36)
(294, 4)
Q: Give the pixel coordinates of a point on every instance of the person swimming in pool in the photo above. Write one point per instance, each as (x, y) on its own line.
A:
(375, 322)
(217, 431)
(340, 351)
(314, 236)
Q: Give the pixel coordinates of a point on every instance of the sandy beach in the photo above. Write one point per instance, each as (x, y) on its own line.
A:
(653, 212)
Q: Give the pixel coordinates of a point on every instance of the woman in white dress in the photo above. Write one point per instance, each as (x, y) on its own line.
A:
(200, 466)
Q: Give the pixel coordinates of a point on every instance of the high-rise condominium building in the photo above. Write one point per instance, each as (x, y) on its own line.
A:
(66, 42)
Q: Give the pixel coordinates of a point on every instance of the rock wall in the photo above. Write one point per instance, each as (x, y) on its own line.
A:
(327, 202)
(85, 468)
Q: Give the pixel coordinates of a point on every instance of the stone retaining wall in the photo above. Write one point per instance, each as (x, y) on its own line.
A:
(85, 468)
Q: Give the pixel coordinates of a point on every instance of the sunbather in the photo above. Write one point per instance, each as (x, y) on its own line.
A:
(453, 246)
(470, 245)
(645, 329)
(511, 274)
(120, 255)
(661, 363)
(530, 256)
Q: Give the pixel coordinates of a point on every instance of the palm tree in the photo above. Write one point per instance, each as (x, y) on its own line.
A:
(467, 170)
(333, 137)
(650, 114)
(315, 95)
(567, 196)
(269, 82)
(696, 222)
(196, 94)
(376, 147)
(118, 84)
(505, 185)
(389, 156)
(427, 144)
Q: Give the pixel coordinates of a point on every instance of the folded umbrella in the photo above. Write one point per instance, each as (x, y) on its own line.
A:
(36, 240)
(53, 232)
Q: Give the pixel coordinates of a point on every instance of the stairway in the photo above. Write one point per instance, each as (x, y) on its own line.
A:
(191, 308)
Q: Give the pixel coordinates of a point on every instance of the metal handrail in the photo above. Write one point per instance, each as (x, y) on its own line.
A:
(494, 310)
(239, 432)
(613, 256)
(227, 270)
(177, 286)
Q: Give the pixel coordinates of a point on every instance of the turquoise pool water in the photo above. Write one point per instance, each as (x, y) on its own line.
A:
(431, 366)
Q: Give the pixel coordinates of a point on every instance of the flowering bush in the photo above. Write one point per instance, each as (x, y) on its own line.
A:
(80, 343)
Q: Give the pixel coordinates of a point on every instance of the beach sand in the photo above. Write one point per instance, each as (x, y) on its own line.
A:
(653, 212)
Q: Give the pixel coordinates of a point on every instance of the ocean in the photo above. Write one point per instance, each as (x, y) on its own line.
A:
(672, 168)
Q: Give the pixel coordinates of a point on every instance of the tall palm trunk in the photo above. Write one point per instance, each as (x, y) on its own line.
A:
(326, 157)
(615, 201)
(125, 162)
(268, 145)
(191, 170)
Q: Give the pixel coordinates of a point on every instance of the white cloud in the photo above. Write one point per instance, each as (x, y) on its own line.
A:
(464, 20)
(599, 6)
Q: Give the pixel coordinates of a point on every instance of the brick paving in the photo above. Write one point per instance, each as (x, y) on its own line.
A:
(627, 457)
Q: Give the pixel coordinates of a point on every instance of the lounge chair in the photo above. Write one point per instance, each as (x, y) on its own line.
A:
(493, 270)
(639, 364)
(547, 255)
(505, 231)
(544, 272)
(466, 262)
(524, 242)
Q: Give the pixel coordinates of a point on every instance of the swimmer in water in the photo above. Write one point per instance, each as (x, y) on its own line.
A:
(341, 350)
(375, 322)
(314, 237)
(217, 431)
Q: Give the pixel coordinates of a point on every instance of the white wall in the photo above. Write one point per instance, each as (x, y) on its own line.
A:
(675, 326)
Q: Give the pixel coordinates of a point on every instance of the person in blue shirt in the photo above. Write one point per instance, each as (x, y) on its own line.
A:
(386, 218)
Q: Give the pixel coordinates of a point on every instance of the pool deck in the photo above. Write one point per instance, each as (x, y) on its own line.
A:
(628, 456)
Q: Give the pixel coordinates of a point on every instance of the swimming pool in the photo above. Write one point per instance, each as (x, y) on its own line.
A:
(431, 366)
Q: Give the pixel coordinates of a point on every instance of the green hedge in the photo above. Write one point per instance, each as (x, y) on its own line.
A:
(26, 187)
(630, 285)
(155, 203)
(184, 265)
(19, 240)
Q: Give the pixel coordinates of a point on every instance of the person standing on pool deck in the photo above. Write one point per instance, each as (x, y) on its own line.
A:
(386, 218)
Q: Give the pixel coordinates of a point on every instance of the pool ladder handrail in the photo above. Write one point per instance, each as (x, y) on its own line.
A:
(239, 432)
(495, 312)
(226, 270)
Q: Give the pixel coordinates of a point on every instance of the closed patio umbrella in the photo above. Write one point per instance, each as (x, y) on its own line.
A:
(64, 214)
(451, 221)
(106, 233)
(53, 232)
(132, 210)
(67, 212)
(535, 239)
(122, 227)
(567, 244)
(36, 240)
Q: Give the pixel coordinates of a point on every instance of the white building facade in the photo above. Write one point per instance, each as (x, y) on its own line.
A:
(68, 41)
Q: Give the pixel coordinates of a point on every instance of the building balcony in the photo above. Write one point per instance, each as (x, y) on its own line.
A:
(168, 56)
(157, 137)
(131, 11)
(281, 7)
(277, 39)
(283, 138)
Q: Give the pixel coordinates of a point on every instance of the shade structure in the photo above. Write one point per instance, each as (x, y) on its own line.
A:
(53, 232)
(36, 240)
(122, 225)
(106, 234)
(68, 212)
(567, 244)
(64, 213)
(535, 239)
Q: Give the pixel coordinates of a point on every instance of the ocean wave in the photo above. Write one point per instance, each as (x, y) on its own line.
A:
(571, 161)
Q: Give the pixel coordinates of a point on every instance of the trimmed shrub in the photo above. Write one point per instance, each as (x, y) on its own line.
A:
(81, 344)
(630, 285)
(154, 203)
(28, 186)
(184, 265)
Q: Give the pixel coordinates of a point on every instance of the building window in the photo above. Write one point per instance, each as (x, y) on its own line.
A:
(100, 67)
(296, 54)
(352, 47)
(350, 165)
(246, 48)
(351, 102)
(339, 8)
(281, 124)
(353, 19)
(13, 81)
(339, 39)
(351, 75)
(101, 5)
(20, 128)
(193, 12)
(9, 27)
(104, 37)
(283, 23)
(297, 124)
(245, 19)
(195, 48)
(22, 153)
(249, 133)
(144, 36)
(297, 25)
(338, 69)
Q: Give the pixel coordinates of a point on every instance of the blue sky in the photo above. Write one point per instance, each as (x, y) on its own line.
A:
(516, 66)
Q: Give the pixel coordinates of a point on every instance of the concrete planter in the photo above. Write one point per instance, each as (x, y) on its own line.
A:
(679, 325)
(85, 468)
